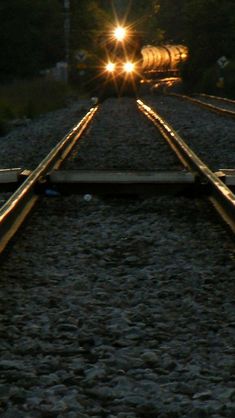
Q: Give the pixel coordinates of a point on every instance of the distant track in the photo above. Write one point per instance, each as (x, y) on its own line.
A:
(217, 98)
(207, 103)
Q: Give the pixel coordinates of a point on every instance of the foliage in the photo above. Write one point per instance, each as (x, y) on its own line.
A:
(143, 15)
(30, 36)
(213, 33)
(170, 18)
(207, 27)
(87, 18)
(25, 99)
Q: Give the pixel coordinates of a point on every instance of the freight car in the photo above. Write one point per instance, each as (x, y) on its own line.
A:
(162, 64)
(163, 59)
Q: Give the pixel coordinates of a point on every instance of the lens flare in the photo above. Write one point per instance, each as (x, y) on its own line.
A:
(110, 67)
(129, 67)
(120, 33)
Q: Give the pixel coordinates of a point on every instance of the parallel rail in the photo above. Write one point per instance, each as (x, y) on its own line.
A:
(14, 212)
(220, 195)
(208, 106)
(220, 99)
(17, 208)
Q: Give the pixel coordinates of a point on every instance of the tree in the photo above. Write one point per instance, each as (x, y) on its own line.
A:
(209, 31)
(145, 18)
(205, 26)
(170, 18)
(30, 36)
(139, 14)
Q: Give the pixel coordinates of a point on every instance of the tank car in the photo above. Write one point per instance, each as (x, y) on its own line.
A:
(163, 59)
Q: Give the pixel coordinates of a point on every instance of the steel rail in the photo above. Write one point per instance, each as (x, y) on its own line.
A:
(220, 195)
(14, 212)
(218, 110)
(220, 99)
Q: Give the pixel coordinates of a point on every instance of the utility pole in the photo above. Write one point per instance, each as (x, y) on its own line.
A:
(66, 35)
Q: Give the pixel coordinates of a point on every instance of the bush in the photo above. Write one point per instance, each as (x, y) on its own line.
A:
(229, 80)
(210, 83)
(209, 80)
(3, 127)
(30, 98)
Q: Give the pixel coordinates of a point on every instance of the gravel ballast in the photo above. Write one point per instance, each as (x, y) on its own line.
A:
(209, 135)
(119, 307)
(26, 146)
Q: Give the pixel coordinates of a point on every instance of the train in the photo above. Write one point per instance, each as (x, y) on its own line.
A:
(163, 59)
(120, 68)
(126, 62)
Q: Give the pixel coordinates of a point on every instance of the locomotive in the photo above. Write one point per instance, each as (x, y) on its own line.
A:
(120, 69)
(126, 62)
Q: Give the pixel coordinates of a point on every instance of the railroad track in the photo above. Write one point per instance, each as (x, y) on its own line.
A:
(47, 177)
(219, 105)
(19, 205)
(118, 306)
(220, 101)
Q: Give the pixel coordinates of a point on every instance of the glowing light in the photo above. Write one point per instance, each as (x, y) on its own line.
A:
(120, 33)
(129, 67)
(110, 67)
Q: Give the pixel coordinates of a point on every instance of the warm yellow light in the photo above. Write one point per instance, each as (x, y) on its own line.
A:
(120, 33)
(110, 67)
(129, 67)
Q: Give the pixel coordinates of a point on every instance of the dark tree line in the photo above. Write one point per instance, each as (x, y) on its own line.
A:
(30, 36)
(207, 27)
(32, 32)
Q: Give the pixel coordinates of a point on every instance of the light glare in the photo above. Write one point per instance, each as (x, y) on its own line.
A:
(120, 33)
(110, 67)
(129, 67)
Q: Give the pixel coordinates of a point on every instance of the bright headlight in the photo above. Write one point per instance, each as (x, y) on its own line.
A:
(110, 67)
(120, 33)
(129, 67)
